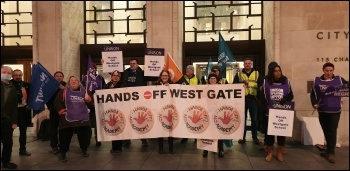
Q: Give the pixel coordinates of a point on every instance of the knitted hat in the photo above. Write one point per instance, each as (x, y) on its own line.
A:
(216, 67)
(190, 67)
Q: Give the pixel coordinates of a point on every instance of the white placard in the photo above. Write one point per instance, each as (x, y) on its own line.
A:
(153, 65)
(207, 144)
(113, 60)
(280, 122)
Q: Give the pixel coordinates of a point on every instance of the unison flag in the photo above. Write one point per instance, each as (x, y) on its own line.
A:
(225, 55)
(43, 86)
(171, 66)
(91, 81)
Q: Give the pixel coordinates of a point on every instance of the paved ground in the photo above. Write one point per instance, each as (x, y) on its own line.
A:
(187, 157)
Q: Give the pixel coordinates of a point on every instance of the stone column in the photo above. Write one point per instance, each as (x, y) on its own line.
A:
(164, 27)
(47, 39)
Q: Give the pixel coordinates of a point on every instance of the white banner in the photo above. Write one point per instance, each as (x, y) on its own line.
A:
(207, 144)
(113, 60)
(280, 122)
(154, 62)
(190, 111)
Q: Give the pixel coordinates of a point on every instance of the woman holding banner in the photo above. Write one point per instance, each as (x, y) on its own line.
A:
(165, 79)
(328, 106)
(276, 89)
(214, 79)
(115, 83)
(71, 104)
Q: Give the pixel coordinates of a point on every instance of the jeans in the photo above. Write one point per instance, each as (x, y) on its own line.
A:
(252, 106)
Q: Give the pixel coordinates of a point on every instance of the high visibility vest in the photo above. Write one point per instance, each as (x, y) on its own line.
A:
(252, 87)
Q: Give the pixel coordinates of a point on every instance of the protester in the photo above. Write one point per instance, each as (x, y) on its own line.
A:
(71, 104)
(9, 116)
(134, 77)
(115, 83)
(54, 117)
(164, 79)
(24, 113)
(282, 92)
(249, 77)
(328, 106)
(188, 79)
(212, 80)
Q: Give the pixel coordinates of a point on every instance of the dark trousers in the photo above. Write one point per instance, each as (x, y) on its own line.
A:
(66, 137)
(329, 123)
(7, 142)
(270, 139)
(117, 145)
(170, 141)
(252, 106)
(54, 121)
(24, 119)
(92, 116)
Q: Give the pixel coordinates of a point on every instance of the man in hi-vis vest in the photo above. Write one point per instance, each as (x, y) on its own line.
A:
(250, 78)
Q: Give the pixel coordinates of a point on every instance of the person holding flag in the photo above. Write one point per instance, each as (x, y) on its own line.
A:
(92, 81)
(71, 105)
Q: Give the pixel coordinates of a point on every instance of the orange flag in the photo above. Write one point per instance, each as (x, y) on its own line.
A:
(171, 66)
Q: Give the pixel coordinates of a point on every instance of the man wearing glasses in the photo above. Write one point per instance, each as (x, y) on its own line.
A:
(133, 77)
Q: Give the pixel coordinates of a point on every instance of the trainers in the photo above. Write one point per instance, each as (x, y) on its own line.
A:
(24, 153)
(241, 141)
(256, 141)
(9, 165)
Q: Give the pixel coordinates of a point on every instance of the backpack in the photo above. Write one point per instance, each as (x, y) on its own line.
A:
(44, 130)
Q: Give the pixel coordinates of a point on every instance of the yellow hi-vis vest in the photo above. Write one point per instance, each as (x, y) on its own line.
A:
(252, 87)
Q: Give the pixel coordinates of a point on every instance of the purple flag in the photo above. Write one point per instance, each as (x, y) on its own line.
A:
(92, 81)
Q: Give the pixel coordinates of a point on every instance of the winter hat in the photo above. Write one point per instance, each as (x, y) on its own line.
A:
(190, 67)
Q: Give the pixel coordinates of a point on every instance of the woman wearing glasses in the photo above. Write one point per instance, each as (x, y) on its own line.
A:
(164, 79)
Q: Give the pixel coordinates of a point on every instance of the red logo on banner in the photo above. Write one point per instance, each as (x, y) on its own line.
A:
(147, 95)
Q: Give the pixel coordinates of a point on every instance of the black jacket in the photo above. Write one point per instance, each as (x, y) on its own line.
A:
(9, 102)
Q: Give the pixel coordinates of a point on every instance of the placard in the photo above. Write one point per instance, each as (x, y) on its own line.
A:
(112, 59)
(154, 62)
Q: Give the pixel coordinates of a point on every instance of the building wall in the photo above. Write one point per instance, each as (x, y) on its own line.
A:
(306, 36)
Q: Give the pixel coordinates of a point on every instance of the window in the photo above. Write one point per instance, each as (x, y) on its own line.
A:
(236, 20)
(16, 23)
(109, 22)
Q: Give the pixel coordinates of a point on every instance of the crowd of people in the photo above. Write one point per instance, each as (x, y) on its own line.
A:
(77, 115)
